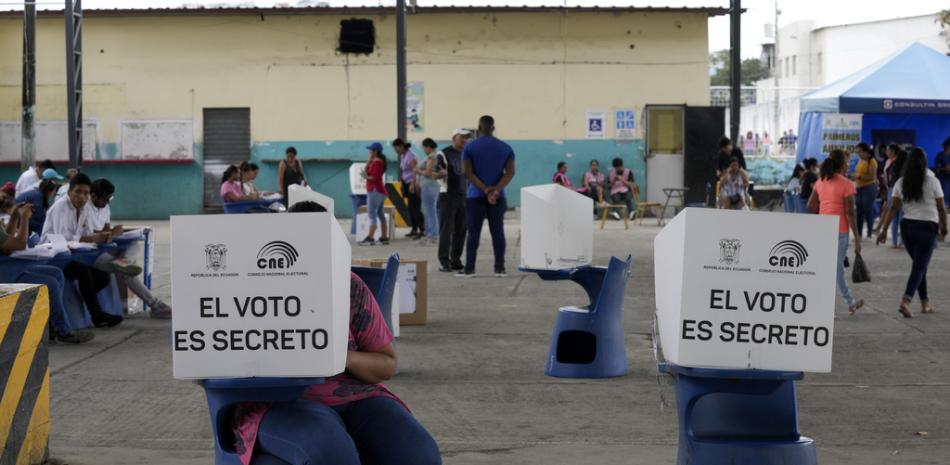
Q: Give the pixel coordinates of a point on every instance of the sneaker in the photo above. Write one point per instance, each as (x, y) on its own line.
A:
(501, 273)
(446, 268)
(123, 266)
(632, 214)
(367, 241)
(105, 320)
(160, 311)
(413, 235)
(615, 215)
(384, 240)
(465, 274)
(75, 337)
(458, 266)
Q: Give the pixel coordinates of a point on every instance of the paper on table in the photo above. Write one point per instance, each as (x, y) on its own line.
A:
(131, 234)
(58, 243)
(40, 252)
(76, 245)
(274, 196)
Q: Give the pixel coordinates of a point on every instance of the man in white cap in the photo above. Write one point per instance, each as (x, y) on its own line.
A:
(452, 202)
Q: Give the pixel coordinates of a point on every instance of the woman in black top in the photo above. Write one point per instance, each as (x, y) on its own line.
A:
(290, 172)
(808, 179)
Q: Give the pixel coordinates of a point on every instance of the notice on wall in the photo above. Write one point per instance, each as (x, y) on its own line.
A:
(259, 298)
(625, 124)
(415, 106)
(747, 290)
(596, 124)
(840, 131)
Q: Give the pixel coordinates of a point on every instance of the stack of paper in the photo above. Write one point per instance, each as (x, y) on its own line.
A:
(131, 235)
(40, 252)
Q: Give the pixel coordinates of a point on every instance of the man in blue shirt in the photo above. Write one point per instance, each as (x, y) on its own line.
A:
(489, 167)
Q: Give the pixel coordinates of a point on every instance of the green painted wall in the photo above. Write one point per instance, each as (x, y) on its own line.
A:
(159, 191)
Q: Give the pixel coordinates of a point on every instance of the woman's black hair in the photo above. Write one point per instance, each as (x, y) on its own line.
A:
(253, 167)
(797, 172)
(398, 142)
(228, 173)
(915, 174)
(617, 162)
(946, 143)
(865, 148)
(810, 162)
(894, 148)
(382, 157)
(428, 142)
(47, 187)
(592, 163)
(290, 150)
(306, 206)
(900, 161)
(560, 165)
(832, 165)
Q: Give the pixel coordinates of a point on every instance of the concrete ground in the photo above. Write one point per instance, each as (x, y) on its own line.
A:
(474, 375)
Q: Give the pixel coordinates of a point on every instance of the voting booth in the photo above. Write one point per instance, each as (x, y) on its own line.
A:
(555, 228)
(299, 193)
(257, 298)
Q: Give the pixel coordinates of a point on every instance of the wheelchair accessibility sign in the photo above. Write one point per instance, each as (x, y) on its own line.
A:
(596, 122)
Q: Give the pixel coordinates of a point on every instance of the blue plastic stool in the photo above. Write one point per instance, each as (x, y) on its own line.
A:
(356, 200)
(588, 341)
(224, 394)
(382, 281)
(738, 417)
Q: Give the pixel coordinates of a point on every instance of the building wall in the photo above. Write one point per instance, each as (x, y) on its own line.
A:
(536, 72)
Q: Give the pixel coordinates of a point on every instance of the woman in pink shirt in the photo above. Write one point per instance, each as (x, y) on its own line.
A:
(834, 195)
(560, 176)
(351, 419)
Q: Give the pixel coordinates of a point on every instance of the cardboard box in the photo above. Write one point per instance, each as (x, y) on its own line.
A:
(747, 290)
(362, 223)
(258, 298)
(412, 288)
(556, 231)
(302, 193)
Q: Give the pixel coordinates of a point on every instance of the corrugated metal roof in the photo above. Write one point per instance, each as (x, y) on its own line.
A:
(332, 10)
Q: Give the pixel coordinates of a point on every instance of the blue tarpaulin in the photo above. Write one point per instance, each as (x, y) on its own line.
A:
(907, 91)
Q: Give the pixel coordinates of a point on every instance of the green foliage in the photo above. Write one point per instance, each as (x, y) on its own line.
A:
(943, 18)
(753, 69)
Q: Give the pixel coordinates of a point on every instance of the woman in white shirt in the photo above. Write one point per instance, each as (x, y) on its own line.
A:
(919, 193)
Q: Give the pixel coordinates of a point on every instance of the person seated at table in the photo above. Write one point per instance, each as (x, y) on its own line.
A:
(32, 176)
(40, 199)
(249, 172)
(13, 238)
(231, 190)
(69, 218)
(732, 186)
(623, 187)
(6, 209)
(117, 260)
(560, 176)
(350, 419)
(9, 189)
(594, 184)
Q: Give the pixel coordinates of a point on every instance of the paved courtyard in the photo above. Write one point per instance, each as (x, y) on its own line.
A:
(474, 375)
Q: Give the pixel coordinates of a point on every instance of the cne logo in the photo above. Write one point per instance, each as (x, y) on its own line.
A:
(277, 255)
(788, 254)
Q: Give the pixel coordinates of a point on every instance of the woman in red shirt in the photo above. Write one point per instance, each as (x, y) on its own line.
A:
(375, 194)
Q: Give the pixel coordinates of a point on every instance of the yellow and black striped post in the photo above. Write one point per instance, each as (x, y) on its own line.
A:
(24, 374)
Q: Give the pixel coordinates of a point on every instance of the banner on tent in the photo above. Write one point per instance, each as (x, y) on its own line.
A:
(840, 131)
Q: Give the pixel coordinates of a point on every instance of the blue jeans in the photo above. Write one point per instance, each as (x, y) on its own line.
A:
(430, 197)
(374, 208)
(920, 238)
(374, 431)
(842, 279)
(793, 203)
(864, 204)
(476, 210)
(895, 225)
(53, 279)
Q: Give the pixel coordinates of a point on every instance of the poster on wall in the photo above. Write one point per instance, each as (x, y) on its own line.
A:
(596, 122)
(625, 124)
(415, 106)
(840, 131)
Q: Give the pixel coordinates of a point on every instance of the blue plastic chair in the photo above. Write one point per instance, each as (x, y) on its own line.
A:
(246, 207)
(224, 394)
(588, 341)
(382, 281)
(738, 417)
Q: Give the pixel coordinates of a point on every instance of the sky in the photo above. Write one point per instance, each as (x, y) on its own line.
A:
(758, 14)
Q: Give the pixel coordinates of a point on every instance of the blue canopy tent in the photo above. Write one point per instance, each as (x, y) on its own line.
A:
(904, 98)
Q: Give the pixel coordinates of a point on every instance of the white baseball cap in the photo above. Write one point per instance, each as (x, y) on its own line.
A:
(460, 132)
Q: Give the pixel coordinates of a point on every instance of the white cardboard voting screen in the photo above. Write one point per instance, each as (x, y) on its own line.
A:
(259, 298)
(357, 181)
(303, 193)
(556, 231)
(738, 289)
